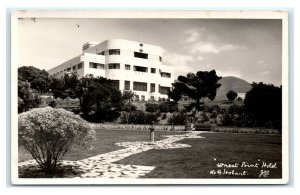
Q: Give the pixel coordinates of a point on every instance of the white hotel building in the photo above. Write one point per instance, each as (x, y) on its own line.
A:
(132, 65)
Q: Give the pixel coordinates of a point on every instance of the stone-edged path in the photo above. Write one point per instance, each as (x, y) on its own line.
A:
(102, 166)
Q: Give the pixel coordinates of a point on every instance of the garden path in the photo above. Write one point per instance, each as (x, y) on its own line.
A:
(102, 166)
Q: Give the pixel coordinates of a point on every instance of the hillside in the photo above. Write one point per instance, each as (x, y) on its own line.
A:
(232, 83)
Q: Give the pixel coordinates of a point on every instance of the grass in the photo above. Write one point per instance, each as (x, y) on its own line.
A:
(202, 157)
(194, 162)
(105, 142)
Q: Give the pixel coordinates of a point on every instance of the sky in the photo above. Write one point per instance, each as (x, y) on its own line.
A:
(246, 48)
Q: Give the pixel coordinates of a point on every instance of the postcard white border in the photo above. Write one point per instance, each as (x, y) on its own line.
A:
(243, 14)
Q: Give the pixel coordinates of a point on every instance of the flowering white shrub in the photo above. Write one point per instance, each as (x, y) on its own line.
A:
(48, 133)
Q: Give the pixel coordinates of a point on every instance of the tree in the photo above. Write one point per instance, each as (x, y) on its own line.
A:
(196, 86)
(38, 79)
(26, 99)
(128, 96)
(68, 86)
(231, 95)
(49, 133)
(100, 98)
(176, 93)
(263, 104)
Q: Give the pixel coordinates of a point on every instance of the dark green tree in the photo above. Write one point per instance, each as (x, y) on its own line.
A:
(231, 95)
(263, 104)
(196, 86)
(26, 99)
(38, 79)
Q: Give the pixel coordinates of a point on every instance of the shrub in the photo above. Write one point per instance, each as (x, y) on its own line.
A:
(139, 117)
(231, 95)
(163, 107)
(173, 106)
(128, 107)
(168, 107)
(178, 118)
(164, 116)
(151, 107)
(49, 133)
(239, 99)
(52, 103)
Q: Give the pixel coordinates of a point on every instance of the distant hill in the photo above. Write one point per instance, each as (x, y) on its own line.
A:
(232, 83)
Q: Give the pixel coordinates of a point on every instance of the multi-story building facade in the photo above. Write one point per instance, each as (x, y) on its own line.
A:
(132, 65)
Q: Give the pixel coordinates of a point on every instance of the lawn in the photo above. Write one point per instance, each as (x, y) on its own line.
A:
(199, 160)
(105, 142)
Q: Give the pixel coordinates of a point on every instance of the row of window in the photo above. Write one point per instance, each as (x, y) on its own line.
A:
(75, 67)
(141, 86)
(135, 54)
(115, 66)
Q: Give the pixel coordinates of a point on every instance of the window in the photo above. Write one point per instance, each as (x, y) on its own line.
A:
(80, 66)
(96, 65)
(116, 84)
(114, 52)
(114, 66)
(102, 53)
(127, 85)
(160, 59)
(138, 86)
(127, 67)
(164, 90)
(141, 55)
(140, 69)
(153, 70)
(165, 74)
(74, 67)
(68, 69)
(152, 87)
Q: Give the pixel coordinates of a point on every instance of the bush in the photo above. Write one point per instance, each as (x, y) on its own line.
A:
(164, 116)
(49, 133)
(52, 103)
(178, 118)
(163, 107)
(231, 95)
(100, 117)
(151, 107)
(128, 107)
(139, 117)
(168, 107)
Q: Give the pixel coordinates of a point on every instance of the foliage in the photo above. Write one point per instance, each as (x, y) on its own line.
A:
(178, 118)
(129, 107)
(101, 97)
(68, 86)
(197, 86)
(168, 107)
(263, 104)
(99, 100)
(163, 107)
(231, 95)
(175, 93)
(164, 116)
(139, 117)
(128, 96)
(151, 107)
(49, 133)
(38, 79)
(52, 103)
(26, 99)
